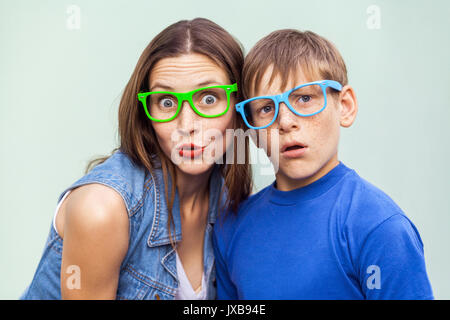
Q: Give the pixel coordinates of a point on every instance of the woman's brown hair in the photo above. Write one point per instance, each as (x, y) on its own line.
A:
(137, 137)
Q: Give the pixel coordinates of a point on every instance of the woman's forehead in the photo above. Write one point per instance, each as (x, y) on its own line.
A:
(193, 67)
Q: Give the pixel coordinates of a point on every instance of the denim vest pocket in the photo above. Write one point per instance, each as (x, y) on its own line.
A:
(135, 285)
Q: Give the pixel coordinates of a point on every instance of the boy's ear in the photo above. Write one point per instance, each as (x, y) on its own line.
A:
(348, 106)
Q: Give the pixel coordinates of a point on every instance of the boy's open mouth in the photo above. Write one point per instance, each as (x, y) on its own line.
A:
(294, 145)
(293, 149)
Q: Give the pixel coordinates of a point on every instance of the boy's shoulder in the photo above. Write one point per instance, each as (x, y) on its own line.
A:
(367, 210)
(364, 203)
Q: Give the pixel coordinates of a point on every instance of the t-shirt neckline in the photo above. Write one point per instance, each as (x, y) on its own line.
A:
(311, 191)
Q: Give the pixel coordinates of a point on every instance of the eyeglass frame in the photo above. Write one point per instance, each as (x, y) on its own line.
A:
(284, 97)
(186, 96)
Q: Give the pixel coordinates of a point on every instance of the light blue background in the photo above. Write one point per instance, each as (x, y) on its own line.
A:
(60, 89)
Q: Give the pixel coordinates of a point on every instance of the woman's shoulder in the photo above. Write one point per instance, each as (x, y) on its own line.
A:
(92, 207)
(96, 235)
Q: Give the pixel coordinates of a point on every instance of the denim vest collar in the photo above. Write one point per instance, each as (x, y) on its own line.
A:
(159, 233)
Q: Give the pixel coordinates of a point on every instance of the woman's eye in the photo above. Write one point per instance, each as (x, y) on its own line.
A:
(167, 103)
(209, 99)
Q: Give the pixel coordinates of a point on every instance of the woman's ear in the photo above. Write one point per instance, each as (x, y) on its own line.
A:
(348, 106)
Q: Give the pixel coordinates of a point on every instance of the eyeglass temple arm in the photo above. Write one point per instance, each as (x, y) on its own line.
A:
(233, 87)
(334, 84)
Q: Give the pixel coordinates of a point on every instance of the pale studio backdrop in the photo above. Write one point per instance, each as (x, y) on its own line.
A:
(61, 80)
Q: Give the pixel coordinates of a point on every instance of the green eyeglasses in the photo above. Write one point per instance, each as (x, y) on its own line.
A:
(207, 102)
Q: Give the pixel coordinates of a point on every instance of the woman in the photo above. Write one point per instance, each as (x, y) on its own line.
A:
(138, 225)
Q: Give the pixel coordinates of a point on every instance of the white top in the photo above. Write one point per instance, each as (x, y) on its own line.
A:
(185, 290)
(56, 211)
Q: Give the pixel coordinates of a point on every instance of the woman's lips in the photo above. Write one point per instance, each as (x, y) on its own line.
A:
(190, 151)
(294, 152)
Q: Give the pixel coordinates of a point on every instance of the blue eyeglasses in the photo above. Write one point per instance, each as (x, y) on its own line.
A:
(304, 100)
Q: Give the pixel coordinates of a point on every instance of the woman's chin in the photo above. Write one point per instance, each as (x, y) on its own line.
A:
(194, 167)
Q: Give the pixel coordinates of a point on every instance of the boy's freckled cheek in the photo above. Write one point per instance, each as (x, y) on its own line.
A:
(318, 131)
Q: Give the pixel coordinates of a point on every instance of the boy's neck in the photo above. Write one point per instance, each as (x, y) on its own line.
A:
(284, 183)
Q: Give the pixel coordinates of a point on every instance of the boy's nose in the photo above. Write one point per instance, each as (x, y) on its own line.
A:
(287, 120)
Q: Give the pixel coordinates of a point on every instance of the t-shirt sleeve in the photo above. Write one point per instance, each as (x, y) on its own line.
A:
(225, 288)
(391, 262)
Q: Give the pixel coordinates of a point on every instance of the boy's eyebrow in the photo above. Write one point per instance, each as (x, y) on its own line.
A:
(205, 83)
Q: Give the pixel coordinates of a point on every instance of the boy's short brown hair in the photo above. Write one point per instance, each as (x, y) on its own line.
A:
(287, 50)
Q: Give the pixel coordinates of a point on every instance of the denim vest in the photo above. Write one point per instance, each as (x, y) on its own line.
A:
(148, 270)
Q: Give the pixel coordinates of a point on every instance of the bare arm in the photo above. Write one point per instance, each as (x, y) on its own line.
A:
(95, 242)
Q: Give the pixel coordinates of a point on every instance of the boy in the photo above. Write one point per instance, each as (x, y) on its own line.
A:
(319, 231)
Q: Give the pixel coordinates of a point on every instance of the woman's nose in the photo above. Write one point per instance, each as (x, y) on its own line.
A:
(187, 119)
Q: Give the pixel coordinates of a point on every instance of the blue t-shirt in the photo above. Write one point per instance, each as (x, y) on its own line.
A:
(338, 238)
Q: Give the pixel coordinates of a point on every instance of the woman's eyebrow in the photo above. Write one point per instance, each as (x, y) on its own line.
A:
(208, 83)
(162, 86)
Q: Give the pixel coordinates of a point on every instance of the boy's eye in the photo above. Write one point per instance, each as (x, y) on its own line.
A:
(266, 109)
(305, 98)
